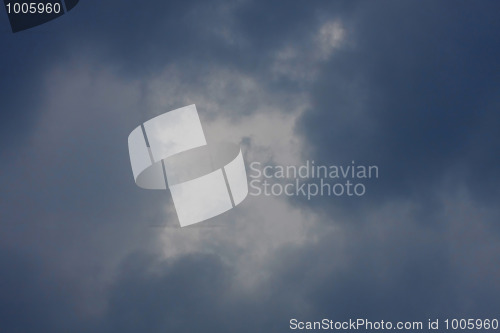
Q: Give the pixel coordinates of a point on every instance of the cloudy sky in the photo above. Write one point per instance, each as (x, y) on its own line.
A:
(410, 86)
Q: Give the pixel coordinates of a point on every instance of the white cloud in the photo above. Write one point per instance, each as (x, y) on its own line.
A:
(233, 107)
(300, 60)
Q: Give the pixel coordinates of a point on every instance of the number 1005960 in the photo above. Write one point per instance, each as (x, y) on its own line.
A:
(471, 324)
(33, 8)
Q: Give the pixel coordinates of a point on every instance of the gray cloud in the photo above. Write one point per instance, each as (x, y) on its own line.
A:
(407, 86)
(410, 94)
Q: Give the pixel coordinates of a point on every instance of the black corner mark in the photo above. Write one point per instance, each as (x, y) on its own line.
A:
(70, 4)
(26, 14)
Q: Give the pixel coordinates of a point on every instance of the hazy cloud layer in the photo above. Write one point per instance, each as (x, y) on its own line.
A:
(409, 86)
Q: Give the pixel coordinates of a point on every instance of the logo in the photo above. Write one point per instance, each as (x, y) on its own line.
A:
(28, 14)
(170, 151)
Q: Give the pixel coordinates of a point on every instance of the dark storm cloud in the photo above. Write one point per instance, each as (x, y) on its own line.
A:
(412, 90)
(415, 93)
(402, 272)
(139, 39)
(187, 295)
(31, 300)
(22, 64)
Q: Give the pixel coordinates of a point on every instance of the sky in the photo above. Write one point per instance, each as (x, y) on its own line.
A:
(412, 87)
